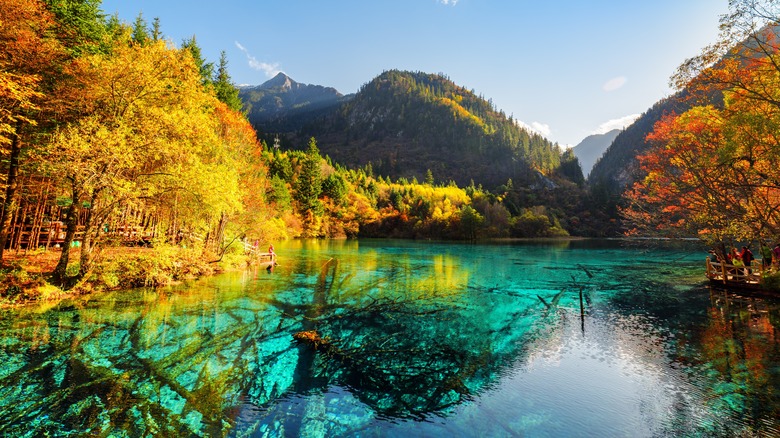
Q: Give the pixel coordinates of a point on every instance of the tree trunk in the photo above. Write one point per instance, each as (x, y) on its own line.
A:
(21, 220)
(10, 191)
(87, 243)
(220, 235)
(59, 275)
(40, 207)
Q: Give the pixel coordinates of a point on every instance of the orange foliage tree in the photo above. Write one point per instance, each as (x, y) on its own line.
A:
(716, 171)
(30, 55)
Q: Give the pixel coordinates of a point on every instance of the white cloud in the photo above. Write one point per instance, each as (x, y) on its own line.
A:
(448, 2)
(537, 127)
(618, 123)
(541, 128)
(614, 84)
(270, 70)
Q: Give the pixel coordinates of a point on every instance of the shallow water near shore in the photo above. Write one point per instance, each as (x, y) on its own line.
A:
(414, 339)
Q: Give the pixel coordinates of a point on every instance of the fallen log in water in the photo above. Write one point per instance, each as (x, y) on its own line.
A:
(313, 339)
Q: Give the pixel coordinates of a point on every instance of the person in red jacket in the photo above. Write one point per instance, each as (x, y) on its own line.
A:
(747, 257)
(734, 258)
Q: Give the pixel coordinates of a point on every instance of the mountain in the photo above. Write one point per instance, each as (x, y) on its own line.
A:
(282, 105)
(618, 167)
(404, 124)
(592, 148)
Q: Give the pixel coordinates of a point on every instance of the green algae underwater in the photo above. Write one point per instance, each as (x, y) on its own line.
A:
(549, 338)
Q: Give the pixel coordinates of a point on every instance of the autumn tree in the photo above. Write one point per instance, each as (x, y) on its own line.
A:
(151, 137)
(715, 169)
(748, 33)
(681, 192)
(253, 217)
(30, 56)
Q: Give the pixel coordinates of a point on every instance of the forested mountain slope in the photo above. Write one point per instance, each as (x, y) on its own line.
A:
(404, 124)
(618, 167)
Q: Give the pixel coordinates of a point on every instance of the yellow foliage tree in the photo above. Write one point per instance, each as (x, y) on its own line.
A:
(151, 137)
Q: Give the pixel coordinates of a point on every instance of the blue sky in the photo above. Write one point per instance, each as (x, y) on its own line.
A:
(566, 68)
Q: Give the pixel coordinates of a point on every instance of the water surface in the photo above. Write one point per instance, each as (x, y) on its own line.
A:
(414, 338)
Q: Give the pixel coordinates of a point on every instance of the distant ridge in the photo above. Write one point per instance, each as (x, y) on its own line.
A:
(592, 147)
(281, 104)
(618, 167)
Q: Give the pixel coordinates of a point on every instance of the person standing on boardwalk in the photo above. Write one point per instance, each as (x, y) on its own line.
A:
(766, 255)
(734, 258)
(747, 258)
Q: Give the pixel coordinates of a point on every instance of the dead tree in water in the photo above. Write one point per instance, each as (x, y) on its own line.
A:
(389, 349)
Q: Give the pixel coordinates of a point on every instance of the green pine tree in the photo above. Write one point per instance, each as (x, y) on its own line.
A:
(85, 24)
(156, 31)
(429, 178)
(279, 194)
(206, 69)
(223, 85)
(308, 185)
(140, 30)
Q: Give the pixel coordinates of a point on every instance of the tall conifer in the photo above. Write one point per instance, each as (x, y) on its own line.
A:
(223, 85)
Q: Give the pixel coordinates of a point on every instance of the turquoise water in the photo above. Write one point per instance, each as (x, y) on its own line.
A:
(414, 339)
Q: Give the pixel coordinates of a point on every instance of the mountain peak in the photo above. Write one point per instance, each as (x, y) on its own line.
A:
(281, 104)
(280, 81)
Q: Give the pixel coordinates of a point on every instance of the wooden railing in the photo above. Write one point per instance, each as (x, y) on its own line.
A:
(727, 273)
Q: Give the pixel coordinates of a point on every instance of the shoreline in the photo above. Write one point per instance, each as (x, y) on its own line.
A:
(25, 276)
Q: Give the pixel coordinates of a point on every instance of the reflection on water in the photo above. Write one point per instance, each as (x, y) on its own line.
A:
(411, 339)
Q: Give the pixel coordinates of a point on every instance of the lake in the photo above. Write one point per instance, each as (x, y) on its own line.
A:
(403, 338)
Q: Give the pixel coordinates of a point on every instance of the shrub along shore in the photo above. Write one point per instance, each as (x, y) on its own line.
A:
(26, 276)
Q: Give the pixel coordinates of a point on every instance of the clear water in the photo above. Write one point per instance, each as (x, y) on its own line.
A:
(419, 339)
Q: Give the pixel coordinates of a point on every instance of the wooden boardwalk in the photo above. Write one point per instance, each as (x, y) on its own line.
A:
(741, 277)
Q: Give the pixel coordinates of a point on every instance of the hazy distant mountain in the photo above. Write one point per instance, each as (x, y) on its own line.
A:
(592, 148)
(283, 105)
(619, 167)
